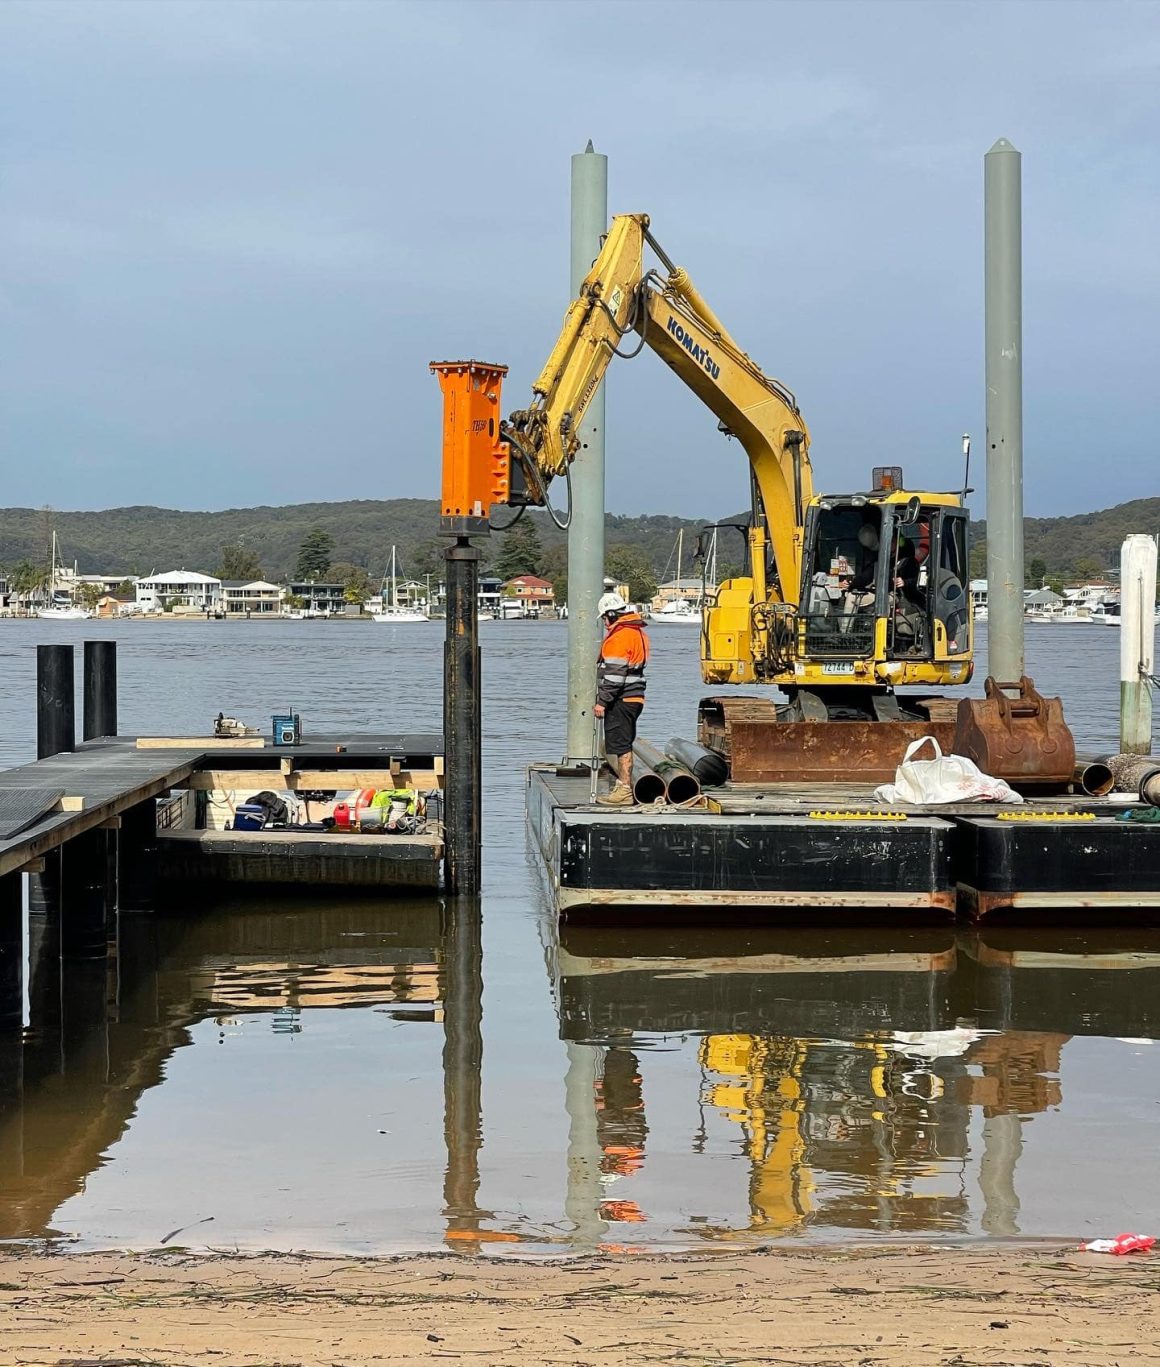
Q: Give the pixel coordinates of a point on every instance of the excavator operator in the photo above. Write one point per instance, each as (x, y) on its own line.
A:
(620, 690)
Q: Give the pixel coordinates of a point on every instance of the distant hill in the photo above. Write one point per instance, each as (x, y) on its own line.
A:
(138, 540)
(1068, 546)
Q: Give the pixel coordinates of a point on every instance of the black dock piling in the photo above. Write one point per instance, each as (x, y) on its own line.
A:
(137, 857)
(462, 722)
(55, 701)
(11, 952)
(86, 896)
(99, 689)
(462, 1069)
(44, 887)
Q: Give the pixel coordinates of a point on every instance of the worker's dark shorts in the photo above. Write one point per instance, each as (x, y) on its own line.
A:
(620, 727)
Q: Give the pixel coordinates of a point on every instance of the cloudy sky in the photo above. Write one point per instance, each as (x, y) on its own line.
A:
(234, 234)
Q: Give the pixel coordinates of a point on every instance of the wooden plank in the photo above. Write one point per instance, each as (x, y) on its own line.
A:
(33, 866)
(70, 803)
(201, 742)
(110, 823)
(307, 780)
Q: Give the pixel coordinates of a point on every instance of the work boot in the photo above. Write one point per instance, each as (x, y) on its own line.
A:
(620, 795)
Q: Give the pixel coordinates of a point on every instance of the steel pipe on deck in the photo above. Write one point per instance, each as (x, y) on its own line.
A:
(1092, 776)
(707, 766)
(647, 785)
(1136, 774)
(680, 785)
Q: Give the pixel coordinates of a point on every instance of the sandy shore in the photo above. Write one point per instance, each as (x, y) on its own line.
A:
(1002, 1306)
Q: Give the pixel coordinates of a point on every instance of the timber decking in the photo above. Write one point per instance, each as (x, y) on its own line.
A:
(101, 779)
(109, 775)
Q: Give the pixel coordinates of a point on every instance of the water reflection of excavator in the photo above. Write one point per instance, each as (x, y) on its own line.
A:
(763, 1094)
(844, 597)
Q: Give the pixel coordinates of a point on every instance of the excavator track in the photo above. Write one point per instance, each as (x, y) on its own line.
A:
(761, 747)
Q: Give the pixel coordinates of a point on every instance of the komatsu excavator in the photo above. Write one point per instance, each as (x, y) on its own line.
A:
(845, 597)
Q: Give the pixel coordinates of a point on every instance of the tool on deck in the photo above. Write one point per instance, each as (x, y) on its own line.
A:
(1017, 734)
(595, 770)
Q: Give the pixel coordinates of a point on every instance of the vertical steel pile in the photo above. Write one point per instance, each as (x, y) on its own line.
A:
(1004, 377)
(586, 531)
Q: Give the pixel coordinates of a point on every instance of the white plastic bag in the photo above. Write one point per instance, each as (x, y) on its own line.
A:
(946, 778)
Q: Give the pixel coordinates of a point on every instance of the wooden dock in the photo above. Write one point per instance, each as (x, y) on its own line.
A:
(91, 788)
(84, 826)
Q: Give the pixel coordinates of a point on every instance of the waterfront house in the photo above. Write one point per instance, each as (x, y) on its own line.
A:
(251, 597)
(320, 599)
(534, 595)
(490, 593)
(179, 590)
(687, 589)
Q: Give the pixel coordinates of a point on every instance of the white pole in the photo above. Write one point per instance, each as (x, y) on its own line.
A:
(1003, 250)
(585, 1192)
(586, 533)
(1137, 643)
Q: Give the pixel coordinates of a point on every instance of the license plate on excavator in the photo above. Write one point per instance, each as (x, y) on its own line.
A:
(842, 668)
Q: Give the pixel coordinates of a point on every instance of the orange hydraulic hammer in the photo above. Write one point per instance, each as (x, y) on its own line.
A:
(476, 460)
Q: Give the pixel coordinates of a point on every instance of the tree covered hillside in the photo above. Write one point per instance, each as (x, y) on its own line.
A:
(139, 540)
(1081, 547)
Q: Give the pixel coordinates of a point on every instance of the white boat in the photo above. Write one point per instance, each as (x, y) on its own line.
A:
(64, 613)
(60, 607)
(393, 610)
(1066, 616)
(680, 612)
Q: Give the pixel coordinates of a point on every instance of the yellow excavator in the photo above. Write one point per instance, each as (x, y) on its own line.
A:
(844, 597)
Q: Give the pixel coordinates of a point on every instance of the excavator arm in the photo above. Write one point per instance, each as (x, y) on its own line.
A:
(619, 298)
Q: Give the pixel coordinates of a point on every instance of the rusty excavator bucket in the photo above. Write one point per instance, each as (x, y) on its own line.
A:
(1017, 734)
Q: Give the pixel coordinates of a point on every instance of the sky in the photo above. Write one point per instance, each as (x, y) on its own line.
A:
(234, 235)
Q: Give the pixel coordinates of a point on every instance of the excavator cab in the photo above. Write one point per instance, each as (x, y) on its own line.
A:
(884, 598)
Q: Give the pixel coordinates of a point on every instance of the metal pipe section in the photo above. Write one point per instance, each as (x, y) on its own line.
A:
(707, 766)
(586, 531)
(1132, 773)
(1004, 377)
(647, 785)
(99, 689)
(1092, 776)
(462, 722)
(56, 729)
(680, 785)
(1137, 643)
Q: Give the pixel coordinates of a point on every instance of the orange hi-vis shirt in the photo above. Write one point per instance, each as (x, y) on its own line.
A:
(623, 656)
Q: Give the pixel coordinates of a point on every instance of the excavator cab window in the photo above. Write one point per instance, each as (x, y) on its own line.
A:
(843, 572)
(951, 579)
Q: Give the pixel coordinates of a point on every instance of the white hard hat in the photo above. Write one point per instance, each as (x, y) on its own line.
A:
(611, 602)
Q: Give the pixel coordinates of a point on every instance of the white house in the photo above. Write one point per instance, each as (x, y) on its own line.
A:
(252, 597)
(179, 589)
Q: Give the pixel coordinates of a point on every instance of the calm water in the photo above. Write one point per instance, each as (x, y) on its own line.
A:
(384, 1076)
